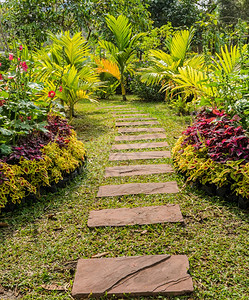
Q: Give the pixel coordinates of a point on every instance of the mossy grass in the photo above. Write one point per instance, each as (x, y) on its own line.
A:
(44, 239)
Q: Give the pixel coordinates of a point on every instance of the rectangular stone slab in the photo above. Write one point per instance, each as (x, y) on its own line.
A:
(135, 216)
(121, 112)
(134, 170)
(113, 106)
(149, 275)
(120, 124)
(139, 146)
(139, 155)
(139, 129)
(138, 188)
(133, 115)
(140, 137)
(136, 119)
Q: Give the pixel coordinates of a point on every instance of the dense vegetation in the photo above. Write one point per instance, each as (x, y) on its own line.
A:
(189, 60)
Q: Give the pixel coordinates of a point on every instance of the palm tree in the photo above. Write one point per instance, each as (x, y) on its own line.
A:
(67, 63)
(121, 51)
(165, 66)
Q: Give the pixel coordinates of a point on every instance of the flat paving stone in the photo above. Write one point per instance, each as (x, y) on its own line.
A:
(133, 115)
(135, 216)
(139, 146)
(135, 119)
(149, 275)
(138, 188)
(139, 155)
(113, 106)
(120, 124)
(134, 170)
(140, 137)
(139, 129)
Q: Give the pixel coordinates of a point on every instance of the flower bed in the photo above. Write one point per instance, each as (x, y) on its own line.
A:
(40, 159)
(214, 152)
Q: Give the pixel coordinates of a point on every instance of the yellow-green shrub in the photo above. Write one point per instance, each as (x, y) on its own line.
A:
(17, 181)
(198, 167)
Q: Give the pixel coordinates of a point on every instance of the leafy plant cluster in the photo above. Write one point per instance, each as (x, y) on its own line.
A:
(20, 113)
(40, 159)
(215, 150)
(220, 134)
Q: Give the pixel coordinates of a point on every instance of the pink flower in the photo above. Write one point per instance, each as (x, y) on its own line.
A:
(20, 47)
(24, 66)
(0, 64)
(11, 56)
(51, 94)
(29, 118)
(10, 77)
(19, 59)
(60, 88)
(2, 102)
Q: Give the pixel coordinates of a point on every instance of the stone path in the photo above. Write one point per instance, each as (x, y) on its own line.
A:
(138, 188)
(138, 275)
(134, 170)
(139, 129)
(135, 119)
(132, 115)
(140, 137)
(139, 146)
(139, 155)
(120, 124)
(135, 216)
(149, 275)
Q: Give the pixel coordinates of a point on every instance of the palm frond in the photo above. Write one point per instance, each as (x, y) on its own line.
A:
(228, 61)
(107, 66)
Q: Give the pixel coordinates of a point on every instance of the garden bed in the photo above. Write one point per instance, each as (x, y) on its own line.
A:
(213, 154)
(41, 162)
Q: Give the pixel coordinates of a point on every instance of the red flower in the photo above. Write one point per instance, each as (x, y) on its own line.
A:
(51, 94)
(60, 88)
(24, 66)
(0, 64)
(29, 118)
(20, 47)
(11, 56)
(1, 77)
(2, 102)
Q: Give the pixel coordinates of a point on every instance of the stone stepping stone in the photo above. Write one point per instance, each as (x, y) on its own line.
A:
(134, 170)
(138, 188)
(140, 137)
(139, 146)
(134, 115)
(112, 106)
(122, 112)
(135, 216)
(120, 124)
(135, 119)
(144, 129)
(149, 275)
(139, 155)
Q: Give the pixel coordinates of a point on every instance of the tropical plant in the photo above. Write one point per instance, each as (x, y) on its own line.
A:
(66, 69)
(122, 49)
(164, 67)
(20, 112)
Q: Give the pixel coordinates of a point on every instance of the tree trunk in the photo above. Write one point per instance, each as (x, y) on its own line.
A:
(123, 89)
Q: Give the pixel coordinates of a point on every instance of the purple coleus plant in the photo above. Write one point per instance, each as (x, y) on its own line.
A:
(220, 134)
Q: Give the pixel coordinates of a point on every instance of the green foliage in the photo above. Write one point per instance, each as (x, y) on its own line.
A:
(179, 13)
(18, 181)
(29, 20)
(20, 113)
(65, 67)
(122, 49)
(197, 167)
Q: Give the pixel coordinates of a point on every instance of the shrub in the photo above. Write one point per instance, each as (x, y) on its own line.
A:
(214, 150)
(40, 159)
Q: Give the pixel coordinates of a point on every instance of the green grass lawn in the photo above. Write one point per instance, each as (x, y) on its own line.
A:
(45, 239)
